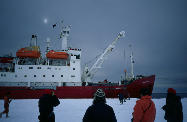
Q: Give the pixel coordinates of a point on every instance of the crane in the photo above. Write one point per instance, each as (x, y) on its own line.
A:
(88, 74)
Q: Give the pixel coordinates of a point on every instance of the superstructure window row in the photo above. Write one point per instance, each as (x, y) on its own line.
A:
(49, 68)
(26, 75)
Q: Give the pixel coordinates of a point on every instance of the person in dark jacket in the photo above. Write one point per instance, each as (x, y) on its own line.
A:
(173, 108)
(99, 111)
(7, 101)
(46, 104)
(121, 98)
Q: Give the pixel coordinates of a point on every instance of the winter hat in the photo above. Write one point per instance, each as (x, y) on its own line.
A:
(99, 93)
(171, 90)
(47, 91)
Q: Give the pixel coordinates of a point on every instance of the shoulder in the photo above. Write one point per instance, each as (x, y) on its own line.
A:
(108, 107)
(90, 108)
(139, 104)
(140, 101)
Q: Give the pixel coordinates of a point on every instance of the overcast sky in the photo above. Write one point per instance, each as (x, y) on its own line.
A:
(156, 29)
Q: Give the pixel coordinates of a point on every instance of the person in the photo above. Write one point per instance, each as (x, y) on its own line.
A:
(99, 111)
(144, 110)
(173, 107)
(46, 104)
(7, 101)
(121, 98)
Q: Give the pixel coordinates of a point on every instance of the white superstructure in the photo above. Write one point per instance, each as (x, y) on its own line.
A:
(44, 72)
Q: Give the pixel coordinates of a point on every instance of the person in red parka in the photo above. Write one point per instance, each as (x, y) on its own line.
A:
(144, 110)
(7, 101)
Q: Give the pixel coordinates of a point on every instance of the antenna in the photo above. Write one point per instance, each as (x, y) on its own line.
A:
(48, 44)
(132, 62)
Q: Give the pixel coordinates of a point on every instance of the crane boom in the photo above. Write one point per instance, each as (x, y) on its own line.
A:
(88, 74)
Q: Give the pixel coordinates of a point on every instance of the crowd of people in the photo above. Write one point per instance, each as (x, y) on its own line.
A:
(99, 111)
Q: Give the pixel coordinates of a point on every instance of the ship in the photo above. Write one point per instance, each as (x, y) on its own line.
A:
(28, 74)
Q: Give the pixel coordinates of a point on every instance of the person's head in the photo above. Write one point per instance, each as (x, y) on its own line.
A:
(144, 92)
(99, 96)
(171, 91)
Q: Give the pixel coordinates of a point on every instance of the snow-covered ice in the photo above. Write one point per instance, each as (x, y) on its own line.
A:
(72, 110)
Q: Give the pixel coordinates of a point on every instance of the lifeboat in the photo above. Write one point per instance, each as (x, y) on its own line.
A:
(57, 55)
(28, 52)
(6, 59)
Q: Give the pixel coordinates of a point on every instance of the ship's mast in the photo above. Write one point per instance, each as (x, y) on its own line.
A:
(48, 45)
(33, 41)
(88, 74)
(132, 62)
(64, 36)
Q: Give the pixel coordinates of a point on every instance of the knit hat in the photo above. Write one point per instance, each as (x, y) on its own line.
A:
(171, 90)
(99, 93)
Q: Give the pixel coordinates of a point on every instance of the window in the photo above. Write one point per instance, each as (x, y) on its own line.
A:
(73, 68)
(1, 75)
(16, 76)
(34, 75)
(25, 75)
(48, 67)
(4, 75)
(77, 56)
(52, 75)
(30, 67)
(38, 67)
(72, 75)
(61, 75)
(43, 75)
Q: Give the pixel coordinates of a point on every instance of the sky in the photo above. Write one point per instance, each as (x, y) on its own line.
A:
(155, 29)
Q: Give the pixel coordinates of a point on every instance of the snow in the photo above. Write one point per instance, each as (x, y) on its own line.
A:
(72, 110)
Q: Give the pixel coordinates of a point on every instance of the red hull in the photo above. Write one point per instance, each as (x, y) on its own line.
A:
(131, 89)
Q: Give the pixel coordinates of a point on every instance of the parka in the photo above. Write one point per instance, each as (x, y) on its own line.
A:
(173, 108)
(99, 112)
(144, 110)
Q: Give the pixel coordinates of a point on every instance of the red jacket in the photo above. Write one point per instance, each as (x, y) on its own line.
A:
(144, 110)
(6, 101)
